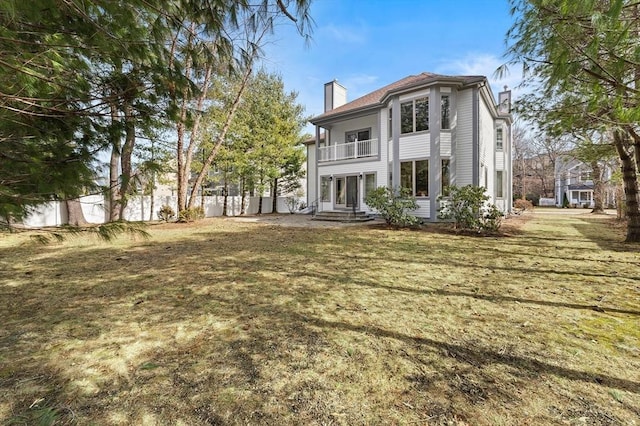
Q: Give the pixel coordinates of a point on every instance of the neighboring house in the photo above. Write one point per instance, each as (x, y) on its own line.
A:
(425, 132)
(575, 180)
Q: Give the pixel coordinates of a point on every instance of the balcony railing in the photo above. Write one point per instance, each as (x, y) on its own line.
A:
(348, 151)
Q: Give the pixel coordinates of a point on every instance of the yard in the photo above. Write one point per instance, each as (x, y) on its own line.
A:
(235, 322)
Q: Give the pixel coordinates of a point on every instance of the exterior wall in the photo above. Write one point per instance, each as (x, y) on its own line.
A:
(502, 163)
(464, 139)
(338, 131)
(486, 150)
(413, 95)
(379, 167)
(445, 144)
(311, 184)
(415, 146)
(424, 209)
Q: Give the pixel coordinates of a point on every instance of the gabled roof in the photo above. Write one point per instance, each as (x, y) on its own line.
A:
(377, 97)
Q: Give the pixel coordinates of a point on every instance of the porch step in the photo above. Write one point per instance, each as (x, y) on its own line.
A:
(342, 216)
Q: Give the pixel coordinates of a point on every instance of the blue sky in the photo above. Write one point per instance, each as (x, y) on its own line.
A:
(367, 44)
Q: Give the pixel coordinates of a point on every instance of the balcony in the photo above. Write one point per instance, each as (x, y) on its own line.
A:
(348, 151)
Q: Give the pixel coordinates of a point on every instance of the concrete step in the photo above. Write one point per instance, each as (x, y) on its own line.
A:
(342, 216)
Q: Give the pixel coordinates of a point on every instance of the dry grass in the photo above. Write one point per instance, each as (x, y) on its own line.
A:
(223, 322)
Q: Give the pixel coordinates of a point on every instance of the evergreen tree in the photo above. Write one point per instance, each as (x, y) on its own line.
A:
(585, 55)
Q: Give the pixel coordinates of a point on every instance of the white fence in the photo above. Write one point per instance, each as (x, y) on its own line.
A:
(547, 202)
(95, 209)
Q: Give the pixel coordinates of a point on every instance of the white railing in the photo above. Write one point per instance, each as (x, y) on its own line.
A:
(349, 150)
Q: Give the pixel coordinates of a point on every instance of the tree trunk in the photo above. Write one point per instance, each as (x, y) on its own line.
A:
(223, 132)
(75, 216)
(183, 172)
(274, 200)
(260, 205)
(243, 202)
(620, 208)
(153, 192)
(225, 194)
(125, 158)
(598, 187)
(114, 193)
(630, 183)
(114, 175)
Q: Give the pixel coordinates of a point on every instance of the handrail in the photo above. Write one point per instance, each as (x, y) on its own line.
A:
(348, 150)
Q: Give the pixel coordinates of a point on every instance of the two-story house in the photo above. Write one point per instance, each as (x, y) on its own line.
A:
(425, 132)
(574, 181)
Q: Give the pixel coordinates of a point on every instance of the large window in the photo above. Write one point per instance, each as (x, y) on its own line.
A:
(369, 183)
(406, 174)
(414, 115)
(422, 114)
(325, 189)
(445, 112)
(499, 184)
(446, 177)
(406, 117)
(499, 143)
(415, 176)
(358, 135)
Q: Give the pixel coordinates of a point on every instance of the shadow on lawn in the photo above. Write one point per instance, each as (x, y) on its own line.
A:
(498, 298)
(602, 232)
(479, 357)
(230, 275)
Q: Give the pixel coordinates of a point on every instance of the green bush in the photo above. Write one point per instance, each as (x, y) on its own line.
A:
(166, 213)
(491, 218)
(467, 207)
(393, 206)
(189, 215)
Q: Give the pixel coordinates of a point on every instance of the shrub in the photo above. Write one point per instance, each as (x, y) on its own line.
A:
(166, 213)
(189, 215)
(293, 202)
(491, 218)
(565, 201)
(534, 198)
(523, 205)
(468, 209)
(393, 205)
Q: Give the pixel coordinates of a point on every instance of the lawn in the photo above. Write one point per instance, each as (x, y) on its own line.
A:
(225, 322)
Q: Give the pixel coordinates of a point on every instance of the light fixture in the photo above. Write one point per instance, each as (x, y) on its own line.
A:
(331, 178)
(360, 176)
